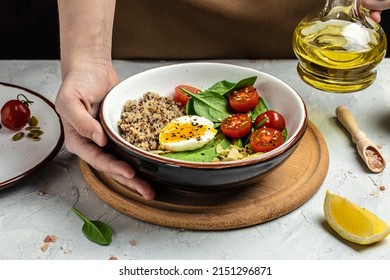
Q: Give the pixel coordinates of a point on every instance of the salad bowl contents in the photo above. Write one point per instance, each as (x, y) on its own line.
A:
(203, 126)
(228, 121)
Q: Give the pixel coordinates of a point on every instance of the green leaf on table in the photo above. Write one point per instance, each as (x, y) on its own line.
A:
(96, 231)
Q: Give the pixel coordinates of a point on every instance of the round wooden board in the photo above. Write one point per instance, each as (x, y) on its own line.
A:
(283, 190)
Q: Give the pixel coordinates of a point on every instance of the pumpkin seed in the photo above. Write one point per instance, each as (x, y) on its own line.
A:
(33, 121)
(34, 133)
(34, 138)
(18, 136)
(30, 128)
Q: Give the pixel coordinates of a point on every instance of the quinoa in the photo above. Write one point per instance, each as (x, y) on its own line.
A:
(141, 121)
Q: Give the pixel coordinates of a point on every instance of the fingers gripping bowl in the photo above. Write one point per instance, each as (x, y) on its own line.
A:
(202, 176)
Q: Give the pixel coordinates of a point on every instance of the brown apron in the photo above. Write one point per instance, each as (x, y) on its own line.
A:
(196, 29)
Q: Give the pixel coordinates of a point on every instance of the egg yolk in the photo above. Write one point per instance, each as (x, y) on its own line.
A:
(175, 132)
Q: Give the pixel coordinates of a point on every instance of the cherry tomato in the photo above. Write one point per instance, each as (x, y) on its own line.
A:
(181, 96)
(266, 139)
(243, 100)
(15, 113)
(274, 120)
(236, 126)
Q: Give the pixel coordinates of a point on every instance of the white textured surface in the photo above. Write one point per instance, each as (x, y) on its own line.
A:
(26, 217)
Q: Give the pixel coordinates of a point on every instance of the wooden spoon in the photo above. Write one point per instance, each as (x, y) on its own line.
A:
(367, 150)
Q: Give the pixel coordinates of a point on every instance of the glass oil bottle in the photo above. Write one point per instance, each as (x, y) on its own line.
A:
(339, 48)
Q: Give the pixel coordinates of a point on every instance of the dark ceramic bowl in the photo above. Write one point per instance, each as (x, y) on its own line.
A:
(193, 176)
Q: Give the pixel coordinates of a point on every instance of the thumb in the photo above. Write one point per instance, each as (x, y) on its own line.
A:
(376, 16)
(85, 125)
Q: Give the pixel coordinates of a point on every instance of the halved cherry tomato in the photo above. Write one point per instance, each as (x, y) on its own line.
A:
(274, 120)
(266, 139)
(236, 126)
(244, 99)
(15, 113)
(181, 96)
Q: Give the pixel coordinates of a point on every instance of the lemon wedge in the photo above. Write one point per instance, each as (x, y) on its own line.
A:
(352, 222)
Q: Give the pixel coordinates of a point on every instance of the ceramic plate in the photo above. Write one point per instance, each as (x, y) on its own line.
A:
(19, 159)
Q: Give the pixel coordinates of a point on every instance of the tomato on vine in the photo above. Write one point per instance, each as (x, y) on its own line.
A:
(15, 113)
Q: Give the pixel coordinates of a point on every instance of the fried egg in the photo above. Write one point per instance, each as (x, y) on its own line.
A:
(187, 133)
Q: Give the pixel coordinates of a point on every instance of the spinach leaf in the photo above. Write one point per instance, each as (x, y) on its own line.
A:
(225, 87)
(247, 138)
(259, 124)
(208, 104)
(225, 143)
(212, 103)
(238, 142)
(284, 134)
(222, 87)
(260, 108)
(190, 107)
(96, 231)
(205, 154)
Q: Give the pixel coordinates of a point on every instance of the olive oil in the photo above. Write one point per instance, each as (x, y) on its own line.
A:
(336, 54)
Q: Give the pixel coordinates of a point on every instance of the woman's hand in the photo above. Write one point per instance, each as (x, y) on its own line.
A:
(87, 76)
(376, 7)
(77, 102)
